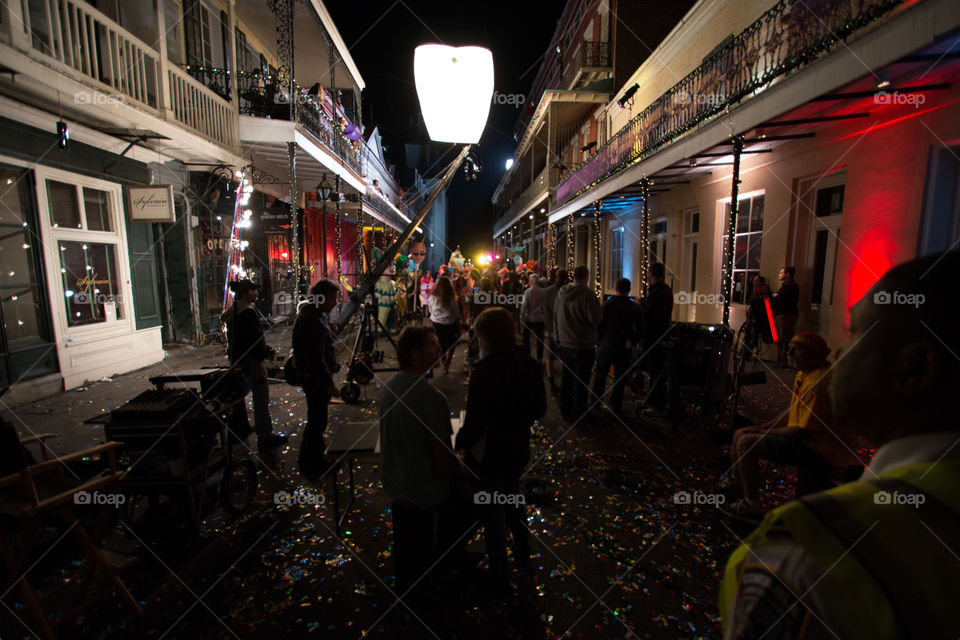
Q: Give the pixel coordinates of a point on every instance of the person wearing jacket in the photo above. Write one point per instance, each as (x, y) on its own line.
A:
(247, 350)
(873, 558)
(531, 314)
(576, 313)
(496, 435)
(618, 331)
(315, 361)
(550, 328)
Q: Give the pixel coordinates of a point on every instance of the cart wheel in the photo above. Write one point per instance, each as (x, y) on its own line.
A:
(238, 486)
(350, 393)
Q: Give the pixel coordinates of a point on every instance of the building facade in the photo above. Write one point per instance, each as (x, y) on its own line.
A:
(198, 98)
(834, 123)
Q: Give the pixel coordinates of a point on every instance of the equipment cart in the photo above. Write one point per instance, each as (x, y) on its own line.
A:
(177, 444)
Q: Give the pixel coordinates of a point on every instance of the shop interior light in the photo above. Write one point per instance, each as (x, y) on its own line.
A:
(455, 88)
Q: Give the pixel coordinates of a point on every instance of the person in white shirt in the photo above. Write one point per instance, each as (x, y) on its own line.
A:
(445, 316)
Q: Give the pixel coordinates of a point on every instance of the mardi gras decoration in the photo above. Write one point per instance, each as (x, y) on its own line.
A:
(418, 252)
(515, 252)
(456, 260)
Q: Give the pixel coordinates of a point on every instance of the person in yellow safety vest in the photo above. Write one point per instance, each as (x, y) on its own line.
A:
(878, 558)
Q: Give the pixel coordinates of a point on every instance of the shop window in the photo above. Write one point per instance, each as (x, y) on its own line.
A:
(84, 234)
(91, 282)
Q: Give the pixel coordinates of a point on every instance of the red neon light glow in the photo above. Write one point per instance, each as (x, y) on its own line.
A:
(877, 126)
(284, 255)
(773, 325)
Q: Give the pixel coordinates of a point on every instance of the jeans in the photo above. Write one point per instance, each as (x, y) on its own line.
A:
(313, 447)
(786, 323)
(417, 544)
(239, 422)
(655, 361)
(537, 329)
(617, 355)
(496, 518)
(574, 389)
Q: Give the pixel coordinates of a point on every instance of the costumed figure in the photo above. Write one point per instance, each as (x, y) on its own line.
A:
(456, 261)
(386, 292)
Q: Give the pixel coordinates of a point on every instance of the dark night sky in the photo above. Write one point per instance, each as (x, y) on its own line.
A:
(382, 35)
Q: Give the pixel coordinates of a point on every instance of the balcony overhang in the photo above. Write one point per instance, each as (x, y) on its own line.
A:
(32, 83)
(571, 107)
(267, 139)
(802, 96)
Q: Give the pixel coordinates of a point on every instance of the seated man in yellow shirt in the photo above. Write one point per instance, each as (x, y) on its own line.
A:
(805, 437)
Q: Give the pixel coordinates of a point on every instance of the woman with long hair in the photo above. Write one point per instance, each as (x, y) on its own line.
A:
(445, 316)
(496, 435)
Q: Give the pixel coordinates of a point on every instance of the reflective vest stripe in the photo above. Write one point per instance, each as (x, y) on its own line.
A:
(860, 540)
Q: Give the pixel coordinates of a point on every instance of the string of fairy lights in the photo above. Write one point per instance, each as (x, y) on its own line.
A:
(597, 243)
(241, 220)
(644, 235)
(675, 124)
(339, 218)
(570, 243)
(336, 124)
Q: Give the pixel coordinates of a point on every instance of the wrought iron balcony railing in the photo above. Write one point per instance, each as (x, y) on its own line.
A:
(787, 36)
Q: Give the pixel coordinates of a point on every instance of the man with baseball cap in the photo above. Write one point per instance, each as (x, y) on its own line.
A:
(247, 350)
(804, 437)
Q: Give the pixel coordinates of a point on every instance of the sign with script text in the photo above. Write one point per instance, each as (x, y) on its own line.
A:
(151, 204)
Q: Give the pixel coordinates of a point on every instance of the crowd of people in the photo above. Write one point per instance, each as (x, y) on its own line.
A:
(795, 576)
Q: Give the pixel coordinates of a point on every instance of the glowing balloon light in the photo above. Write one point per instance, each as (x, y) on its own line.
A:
(455, 88)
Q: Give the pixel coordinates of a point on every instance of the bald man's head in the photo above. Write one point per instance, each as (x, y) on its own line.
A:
(899, 372)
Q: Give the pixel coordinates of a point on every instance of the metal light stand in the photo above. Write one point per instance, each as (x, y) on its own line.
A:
(361, 358)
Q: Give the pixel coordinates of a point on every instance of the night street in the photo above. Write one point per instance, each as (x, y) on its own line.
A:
(613, 552)
(587, 319)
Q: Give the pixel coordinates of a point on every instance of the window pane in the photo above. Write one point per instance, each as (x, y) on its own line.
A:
(21, 318)
(743, 216)
(97, 208)
(753, 254)
(172, 21)
(64, 208)
(756, 214)
(12, 197)
(16, 256)
(829, 201)
(91, 282)
(740, 252)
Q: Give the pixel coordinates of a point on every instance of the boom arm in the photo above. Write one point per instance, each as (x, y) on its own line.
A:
(365, 288)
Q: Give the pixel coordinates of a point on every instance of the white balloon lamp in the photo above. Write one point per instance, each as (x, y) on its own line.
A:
(455, 88)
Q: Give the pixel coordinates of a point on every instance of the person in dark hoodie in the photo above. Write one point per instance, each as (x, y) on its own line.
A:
(496, 435)
(576, 314)
(657, 309)
(248, 351)
(315, 361)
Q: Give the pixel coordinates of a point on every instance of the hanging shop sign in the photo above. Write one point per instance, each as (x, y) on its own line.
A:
(151, 204)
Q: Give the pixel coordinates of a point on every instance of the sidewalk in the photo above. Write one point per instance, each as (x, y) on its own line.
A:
(614, 552)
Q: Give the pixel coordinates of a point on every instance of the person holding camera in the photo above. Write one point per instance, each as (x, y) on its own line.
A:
(248, 352)
(314, 357)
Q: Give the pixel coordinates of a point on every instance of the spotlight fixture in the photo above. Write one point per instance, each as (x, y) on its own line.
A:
(693, 162)
(63, 135)
(559, 165)
(588, 146)
(627, 97)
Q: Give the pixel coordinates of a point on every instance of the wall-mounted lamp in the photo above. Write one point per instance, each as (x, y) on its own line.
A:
(627, 97)
(588, 146)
